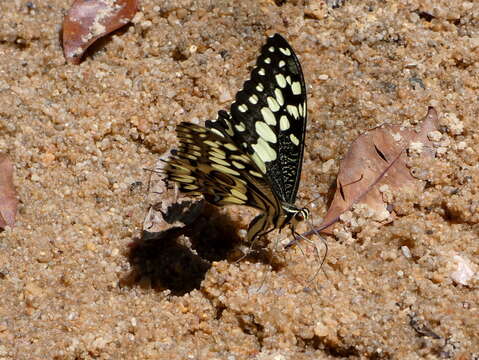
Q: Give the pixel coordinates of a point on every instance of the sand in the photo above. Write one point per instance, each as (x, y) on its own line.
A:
(79, 278)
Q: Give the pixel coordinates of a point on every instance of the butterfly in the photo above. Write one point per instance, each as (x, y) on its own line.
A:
(251, 155)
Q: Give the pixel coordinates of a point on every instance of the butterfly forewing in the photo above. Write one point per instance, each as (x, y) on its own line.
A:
(268, 118)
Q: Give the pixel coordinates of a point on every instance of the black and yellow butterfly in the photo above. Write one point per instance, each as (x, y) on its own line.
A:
(253, 154)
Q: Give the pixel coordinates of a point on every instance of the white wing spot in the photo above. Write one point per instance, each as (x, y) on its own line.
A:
(265, 132)
(253, 99)
(268, 116)
(288, 80)
(267, 60)
(264, 150)
(281, 80)
(271, 49)
(285, 51)
(294, 139)
(243, 108)
(273, 104)
(293, 110)
(240, 127)
(261, 72)
(284, 123)
(281, 63)
(296, 87)
(279, 96)
(260, 87)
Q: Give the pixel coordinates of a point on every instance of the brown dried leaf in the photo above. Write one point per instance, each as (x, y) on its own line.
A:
(8, 195)
(378, 158)
(88, 20)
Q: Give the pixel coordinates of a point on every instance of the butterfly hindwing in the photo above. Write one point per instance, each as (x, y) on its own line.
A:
(208, 164)
(268, 118)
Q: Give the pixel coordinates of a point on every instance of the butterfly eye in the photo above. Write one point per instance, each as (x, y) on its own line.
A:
(299, 216)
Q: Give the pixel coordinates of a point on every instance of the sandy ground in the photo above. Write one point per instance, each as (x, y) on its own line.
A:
(80, 281)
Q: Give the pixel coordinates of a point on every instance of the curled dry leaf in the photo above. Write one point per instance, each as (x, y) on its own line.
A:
(88, 20)
(8, 195)
(375, 159)
(168, 209)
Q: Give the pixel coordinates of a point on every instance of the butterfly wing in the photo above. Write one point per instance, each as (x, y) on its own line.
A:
(268, 119)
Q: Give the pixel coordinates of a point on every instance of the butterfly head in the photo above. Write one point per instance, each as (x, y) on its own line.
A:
(294, 215)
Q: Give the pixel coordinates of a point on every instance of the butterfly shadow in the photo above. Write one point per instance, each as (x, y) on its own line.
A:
(178, 257)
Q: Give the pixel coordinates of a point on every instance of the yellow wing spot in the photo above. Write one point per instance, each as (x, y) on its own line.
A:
(238, 165)
(279, 96)
(218, 153)
(280, 79)
(217, 132)
(267, 60)
(243, 158)
(273, 104)
(260, 87)
(285, 51)
(225, 170)
(265, 131)
(232, 200)
(243, 108)
(294, 139)
(231, 147)
(261, 72)
(239, 194)
(253, 99)
(259, 163)
(191, 187)
(288, 80)
(284, 123)
(199, 130)
(281, 63)
(268, 116)
(293, 110)
(271, 49)
(183, 169)
(213, 144)
(296, 88)
(186, 178)
(240, 127)
(255, 173)
(219, 161)
(264, 150)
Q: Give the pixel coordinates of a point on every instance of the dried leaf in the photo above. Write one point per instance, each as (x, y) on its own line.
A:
(8, 195)
(88, 20)
(375, 159)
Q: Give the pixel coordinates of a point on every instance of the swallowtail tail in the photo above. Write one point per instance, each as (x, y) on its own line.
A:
(253, 154)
